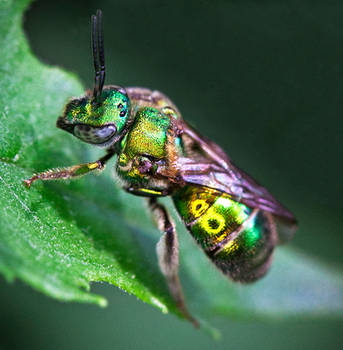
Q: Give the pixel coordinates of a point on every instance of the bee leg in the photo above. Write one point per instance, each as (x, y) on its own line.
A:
(168, 256)
(70, 172)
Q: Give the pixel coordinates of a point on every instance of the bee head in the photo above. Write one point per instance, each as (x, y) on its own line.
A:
(100, 117)
(101, 122)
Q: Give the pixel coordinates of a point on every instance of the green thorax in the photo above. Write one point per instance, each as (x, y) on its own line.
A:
(148, 134)
(146, 140)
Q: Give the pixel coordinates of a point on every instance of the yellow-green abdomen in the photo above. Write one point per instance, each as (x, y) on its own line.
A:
(239, 240)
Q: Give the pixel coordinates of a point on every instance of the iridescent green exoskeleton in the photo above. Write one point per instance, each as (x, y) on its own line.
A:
(234, 220)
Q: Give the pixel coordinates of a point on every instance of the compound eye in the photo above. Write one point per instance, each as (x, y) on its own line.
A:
(95, 135)
(123, 111)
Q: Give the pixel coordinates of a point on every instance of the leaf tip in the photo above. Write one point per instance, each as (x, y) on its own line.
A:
(160, 305)
(103, 302)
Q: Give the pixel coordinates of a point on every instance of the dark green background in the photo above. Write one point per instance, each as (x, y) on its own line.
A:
(265, 80)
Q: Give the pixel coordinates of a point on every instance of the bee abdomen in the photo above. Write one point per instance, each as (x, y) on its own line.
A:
(239, 240)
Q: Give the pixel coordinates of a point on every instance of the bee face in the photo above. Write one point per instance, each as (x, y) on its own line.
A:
(95, 135)
(100, 122)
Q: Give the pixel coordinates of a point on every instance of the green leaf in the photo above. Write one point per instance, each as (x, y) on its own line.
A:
(59, 237)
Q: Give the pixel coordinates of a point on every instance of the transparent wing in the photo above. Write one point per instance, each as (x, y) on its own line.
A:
(206, 164)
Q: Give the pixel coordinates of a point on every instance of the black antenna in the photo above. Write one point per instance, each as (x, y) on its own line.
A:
(98, 54)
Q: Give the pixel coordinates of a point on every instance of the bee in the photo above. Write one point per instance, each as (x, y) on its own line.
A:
(235, 221)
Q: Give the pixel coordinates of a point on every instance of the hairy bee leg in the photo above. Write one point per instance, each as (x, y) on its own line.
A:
(168, 256)
(70, 172)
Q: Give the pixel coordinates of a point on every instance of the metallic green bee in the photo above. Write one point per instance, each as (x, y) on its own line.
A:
(236, 221)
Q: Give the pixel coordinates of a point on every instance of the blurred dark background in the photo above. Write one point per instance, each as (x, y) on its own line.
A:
(264, 80)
